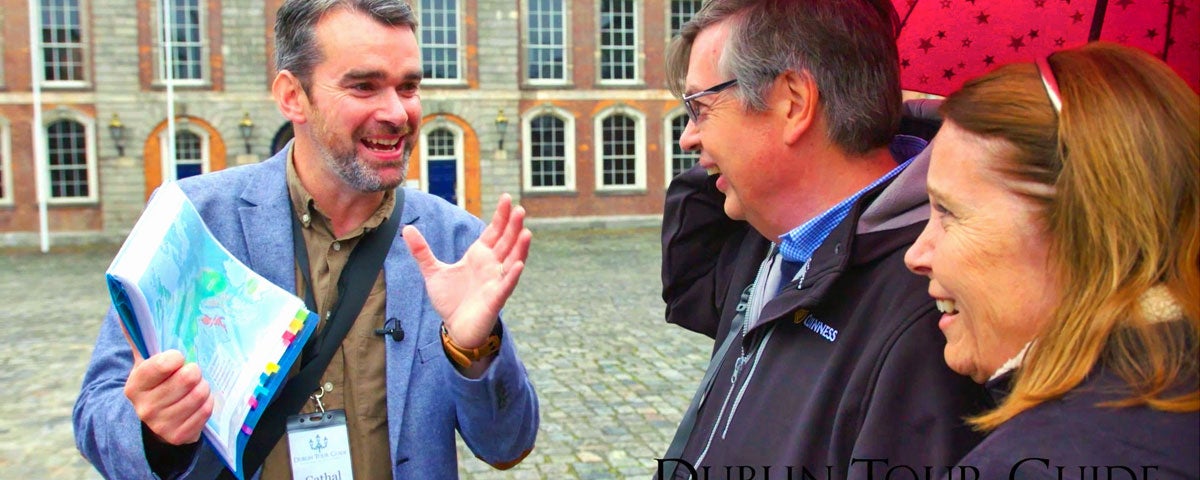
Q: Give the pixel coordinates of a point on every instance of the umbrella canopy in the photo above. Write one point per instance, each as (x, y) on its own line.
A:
(946, 42)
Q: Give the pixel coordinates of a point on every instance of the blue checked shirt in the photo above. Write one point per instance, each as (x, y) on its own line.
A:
(798, 245)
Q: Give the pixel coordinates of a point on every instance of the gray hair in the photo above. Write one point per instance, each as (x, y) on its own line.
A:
(848, 47)
(296, 49)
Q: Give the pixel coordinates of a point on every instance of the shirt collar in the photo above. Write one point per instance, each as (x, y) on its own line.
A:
(799, 244)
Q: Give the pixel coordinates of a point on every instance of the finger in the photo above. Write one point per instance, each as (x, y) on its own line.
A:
(426, 262)
(499, 219)
(516, 222)
(509, 282)
(183, 421)
(157, 369)
(518, 254)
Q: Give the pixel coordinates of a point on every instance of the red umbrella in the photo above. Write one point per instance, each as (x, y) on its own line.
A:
(946, 42)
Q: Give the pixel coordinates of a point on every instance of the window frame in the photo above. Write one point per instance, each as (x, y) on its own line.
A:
(670, 15)
(171, 165)
(671, 143)
(569, 149)
(83, 47)
(638, 53)
(639, 153)
(6, 194)
(568, 66)
(160, 79)
(459, 161)
(89, 137)
(459, 48)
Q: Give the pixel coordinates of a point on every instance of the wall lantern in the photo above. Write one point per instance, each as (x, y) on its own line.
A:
(501, 126)
(116, 129)
(246, 127)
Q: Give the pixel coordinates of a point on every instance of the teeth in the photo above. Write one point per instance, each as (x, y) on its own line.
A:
(946, 306)
(713, 170)
(382, 143)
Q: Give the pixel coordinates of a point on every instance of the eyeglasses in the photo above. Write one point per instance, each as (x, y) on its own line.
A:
(692, 112)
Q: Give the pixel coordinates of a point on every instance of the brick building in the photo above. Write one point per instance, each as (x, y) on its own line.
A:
(589, 132)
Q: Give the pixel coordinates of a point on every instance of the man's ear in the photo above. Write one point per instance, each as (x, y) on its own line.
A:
(800, 101)
(290, 96)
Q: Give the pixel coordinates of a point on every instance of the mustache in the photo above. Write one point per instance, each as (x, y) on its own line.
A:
(385, 129)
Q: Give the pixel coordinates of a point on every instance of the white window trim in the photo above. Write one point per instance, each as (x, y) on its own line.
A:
(639, 135)
(461, 49)
(160, 79)
(568, 152)
(638, 54)
(568, 65)
(89, 136)
(667, 14)
(85, 43)
(459, 154)
(669, 143)
(6, 161)
(168, 163)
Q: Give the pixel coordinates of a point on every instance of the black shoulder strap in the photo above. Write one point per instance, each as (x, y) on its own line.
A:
(354, 284)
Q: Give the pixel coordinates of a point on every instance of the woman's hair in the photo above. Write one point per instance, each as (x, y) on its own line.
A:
(1117, 177)
(847, 47)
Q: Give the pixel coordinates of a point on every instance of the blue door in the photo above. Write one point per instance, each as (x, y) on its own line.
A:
(443, 179)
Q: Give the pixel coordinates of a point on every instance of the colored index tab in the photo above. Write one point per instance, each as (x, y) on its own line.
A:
(288, 337)
(272, 367)
(296, 325)
(253, 402)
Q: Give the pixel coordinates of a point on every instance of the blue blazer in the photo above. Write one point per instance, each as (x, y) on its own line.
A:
(248, 210)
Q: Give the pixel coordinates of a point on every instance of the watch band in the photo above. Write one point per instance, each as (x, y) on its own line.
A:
(465, 357)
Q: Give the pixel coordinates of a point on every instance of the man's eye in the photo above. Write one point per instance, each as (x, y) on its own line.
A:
(362, 87)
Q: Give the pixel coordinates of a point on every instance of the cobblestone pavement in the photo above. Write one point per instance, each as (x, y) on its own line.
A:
(613, 379)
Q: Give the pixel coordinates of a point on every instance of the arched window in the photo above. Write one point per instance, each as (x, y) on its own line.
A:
(621, 157)
(70, 172)
(192, 155)
(189, 154)
(679, 160)
(443, 163)
(549, 149)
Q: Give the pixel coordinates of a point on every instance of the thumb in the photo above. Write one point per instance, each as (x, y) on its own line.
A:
(420, 250)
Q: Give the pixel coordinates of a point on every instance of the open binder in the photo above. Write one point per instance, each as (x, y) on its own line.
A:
(176, 287)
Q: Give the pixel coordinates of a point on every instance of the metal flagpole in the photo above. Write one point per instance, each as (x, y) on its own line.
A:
(169, 68)
(39, 144)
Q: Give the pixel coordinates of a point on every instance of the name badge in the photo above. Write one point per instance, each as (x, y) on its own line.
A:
(319, 446)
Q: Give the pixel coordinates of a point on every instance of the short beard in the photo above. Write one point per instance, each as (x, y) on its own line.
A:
(360, 177)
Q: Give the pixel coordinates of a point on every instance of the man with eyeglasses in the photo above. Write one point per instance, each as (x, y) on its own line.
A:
(786, 244)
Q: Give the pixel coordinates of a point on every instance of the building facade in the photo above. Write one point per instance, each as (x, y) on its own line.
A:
(562, 104)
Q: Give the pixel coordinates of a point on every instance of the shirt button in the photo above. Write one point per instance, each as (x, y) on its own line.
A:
(337, 246)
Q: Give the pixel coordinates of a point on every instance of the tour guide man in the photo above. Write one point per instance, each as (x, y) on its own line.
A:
(349, 77)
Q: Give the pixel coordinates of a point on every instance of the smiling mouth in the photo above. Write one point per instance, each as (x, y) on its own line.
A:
(713, 170)
(946, 306)
(381, 144)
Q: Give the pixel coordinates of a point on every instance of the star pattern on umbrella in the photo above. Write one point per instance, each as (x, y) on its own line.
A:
(948, 73)
(1033, 34)
(1077, 17)
(982, 18)
(926, 44)
(924, 79)
(1039, 3)
(941, 34)
(904, 63)
(989, 60)
(962, 65)
(1017, 42)
(1059, 42)
(1124, 3)
(1182, 10)
(966, 43)
(1151, 33)
(946, 4)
